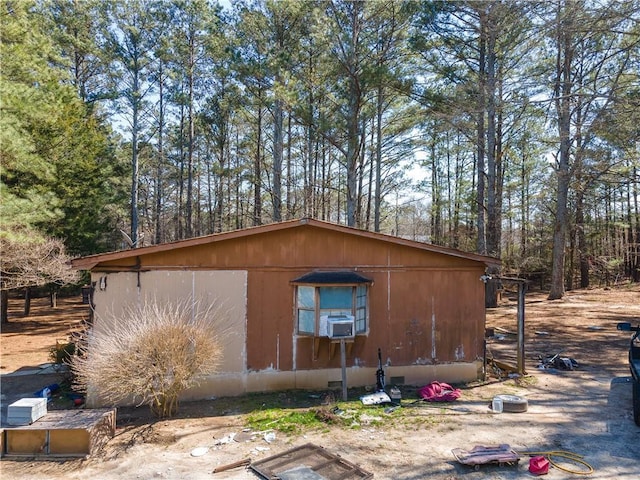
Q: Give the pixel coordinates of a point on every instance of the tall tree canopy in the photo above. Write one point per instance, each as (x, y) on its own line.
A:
(56, 161)
(504, 127)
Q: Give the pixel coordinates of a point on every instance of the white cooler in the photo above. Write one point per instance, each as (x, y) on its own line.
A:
(26, 411)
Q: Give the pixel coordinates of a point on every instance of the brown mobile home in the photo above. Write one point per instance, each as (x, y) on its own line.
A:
(294, 289)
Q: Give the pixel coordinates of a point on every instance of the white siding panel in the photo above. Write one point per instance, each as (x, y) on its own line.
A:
(115, 292)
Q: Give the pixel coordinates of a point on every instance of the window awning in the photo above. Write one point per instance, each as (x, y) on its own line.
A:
(345, 277)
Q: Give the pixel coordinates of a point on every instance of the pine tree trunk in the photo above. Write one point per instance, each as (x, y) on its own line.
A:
(377, 202)
(257, 168)
(4, 306)
(27, 301)
(278, 149)
(583, 255)
(480, 146)
(53, 298)
(190, 139)
(563, 108)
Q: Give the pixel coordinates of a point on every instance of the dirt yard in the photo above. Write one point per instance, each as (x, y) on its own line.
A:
(586, 411)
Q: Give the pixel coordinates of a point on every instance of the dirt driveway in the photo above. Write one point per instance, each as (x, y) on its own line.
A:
(586, 411)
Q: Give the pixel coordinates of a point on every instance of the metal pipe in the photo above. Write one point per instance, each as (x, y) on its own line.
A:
(343, 361)
(522, 287)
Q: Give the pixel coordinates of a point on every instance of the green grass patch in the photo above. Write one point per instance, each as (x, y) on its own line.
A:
(284, 420)
(353, 415)
(295, 412)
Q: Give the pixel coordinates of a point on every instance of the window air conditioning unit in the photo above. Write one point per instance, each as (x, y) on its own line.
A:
(340, 326)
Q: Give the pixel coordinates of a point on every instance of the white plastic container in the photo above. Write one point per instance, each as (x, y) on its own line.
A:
(496, 405)
(26, 411)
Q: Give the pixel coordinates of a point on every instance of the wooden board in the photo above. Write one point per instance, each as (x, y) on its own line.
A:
(61, 433)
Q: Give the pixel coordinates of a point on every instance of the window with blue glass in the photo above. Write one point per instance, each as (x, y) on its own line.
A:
(315, 302)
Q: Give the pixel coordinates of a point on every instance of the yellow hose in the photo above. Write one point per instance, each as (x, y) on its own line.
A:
(574, 457)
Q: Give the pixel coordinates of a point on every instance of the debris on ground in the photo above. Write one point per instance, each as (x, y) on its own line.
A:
(439, 392)
(199, 451)
(377, 398)
(224, 440)
(557, 362)
(509, 404)
(539, 465)
(308, 461)
(482, 455)
(230, 466)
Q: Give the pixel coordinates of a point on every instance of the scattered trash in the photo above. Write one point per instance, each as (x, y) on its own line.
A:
(47, 391)
(539, 465)
(199, 451)
(558, 362)
(76, 398)
(542, 333)
(511, 403)
(439, 392)
(583, 468)
(501, 369)
(505, 331)
(481, 455)
(395, 394)
(229, 466)
(226, 439)
(497, 405)
(308, 462)
(43, 393)
(269, 437)
(244, 437)
(376, 398)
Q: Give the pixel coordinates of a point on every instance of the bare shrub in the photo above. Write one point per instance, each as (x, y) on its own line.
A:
(151, 354)
(29, 260)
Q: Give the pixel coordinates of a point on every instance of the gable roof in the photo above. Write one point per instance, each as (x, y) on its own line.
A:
(89, 262)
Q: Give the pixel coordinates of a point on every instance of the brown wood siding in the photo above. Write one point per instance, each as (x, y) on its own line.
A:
(270, 325)
(411, 285)
(309, 248)
(405, 331)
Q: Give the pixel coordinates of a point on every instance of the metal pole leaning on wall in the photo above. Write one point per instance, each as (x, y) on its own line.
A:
(343, 363)
(522, 288)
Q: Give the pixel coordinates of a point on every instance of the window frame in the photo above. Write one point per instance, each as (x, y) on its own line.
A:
(355, 307)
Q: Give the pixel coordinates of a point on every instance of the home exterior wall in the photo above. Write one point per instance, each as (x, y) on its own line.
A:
(124, 290)
(426, 308)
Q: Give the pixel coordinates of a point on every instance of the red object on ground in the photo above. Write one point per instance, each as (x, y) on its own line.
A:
(539, 465)
(439, 392)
